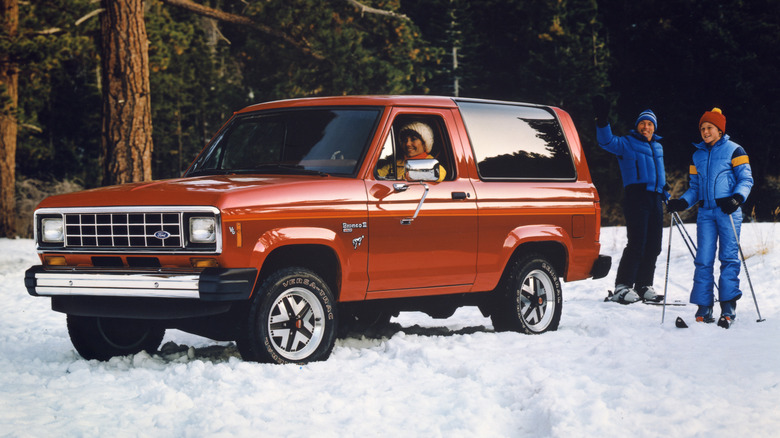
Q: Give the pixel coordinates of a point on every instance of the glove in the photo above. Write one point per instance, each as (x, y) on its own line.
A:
(730, 204)
(673, 205)
(601, 110)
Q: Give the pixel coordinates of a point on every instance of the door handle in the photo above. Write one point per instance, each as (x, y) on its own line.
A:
(460, 195)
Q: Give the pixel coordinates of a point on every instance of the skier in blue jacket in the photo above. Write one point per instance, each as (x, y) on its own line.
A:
(720, 180)
(641, 161)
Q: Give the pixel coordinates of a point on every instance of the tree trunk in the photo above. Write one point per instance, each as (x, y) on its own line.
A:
(126, 144)
(9, 99)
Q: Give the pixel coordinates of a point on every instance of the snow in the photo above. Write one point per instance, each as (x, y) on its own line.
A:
(610, 370)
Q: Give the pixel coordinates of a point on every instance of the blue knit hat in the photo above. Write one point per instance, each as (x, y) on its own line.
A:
(647, 115)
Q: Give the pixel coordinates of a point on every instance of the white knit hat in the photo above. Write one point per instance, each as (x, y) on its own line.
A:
(423, 131)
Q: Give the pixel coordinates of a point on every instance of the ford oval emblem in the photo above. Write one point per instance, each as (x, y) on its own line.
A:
(162, 235)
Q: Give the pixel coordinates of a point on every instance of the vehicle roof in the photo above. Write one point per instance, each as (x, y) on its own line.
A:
(438, 101)
(389, 100)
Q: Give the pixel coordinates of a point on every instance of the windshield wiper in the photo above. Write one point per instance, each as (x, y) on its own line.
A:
(205, 172)
(276, 169)
(296, 169)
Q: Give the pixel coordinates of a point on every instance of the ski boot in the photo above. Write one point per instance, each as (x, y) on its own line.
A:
(648, 295)
(704, 314)
(728, 312)
(623, 294)
(725, 321)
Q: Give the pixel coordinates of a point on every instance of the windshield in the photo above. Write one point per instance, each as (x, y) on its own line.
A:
(300, 141)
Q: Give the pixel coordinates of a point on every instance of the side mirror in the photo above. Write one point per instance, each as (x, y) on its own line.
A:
(422, 170)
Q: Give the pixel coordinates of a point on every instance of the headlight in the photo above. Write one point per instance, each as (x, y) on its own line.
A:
(203, 230)
(51, 230)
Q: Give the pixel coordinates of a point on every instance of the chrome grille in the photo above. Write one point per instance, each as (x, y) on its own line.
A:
(124, 230)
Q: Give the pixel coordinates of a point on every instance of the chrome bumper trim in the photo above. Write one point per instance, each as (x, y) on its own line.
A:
(127, 285)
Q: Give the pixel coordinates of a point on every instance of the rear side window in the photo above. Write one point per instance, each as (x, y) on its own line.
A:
(517, 142)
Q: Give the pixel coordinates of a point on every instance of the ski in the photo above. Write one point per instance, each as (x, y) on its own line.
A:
(724, 322)
(668, 303)
(656, 300)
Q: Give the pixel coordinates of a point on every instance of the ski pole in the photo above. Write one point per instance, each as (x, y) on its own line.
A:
(675, 217)
(666, 277)
(680, 228)
(736, 236)
(680, 222)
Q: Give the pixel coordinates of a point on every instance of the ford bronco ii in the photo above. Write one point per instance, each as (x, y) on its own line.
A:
(302, 220)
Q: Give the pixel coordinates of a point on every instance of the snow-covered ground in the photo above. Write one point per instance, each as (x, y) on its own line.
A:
(610, 370)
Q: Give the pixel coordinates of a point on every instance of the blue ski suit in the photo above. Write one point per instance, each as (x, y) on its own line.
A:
(641, 165)
(717, 171)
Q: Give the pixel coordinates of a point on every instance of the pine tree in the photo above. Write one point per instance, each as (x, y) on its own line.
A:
(59, 100)
(38, 40)
(9, 99)
(127, 117)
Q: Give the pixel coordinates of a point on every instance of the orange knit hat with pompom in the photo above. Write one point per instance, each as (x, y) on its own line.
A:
(715, 117)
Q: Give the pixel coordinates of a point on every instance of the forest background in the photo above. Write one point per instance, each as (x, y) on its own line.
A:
(678, 58)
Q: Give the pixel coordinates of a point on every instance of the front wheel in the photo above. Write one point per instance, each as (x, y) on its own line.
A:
(292, 319)
(103, 338)
(529, 299)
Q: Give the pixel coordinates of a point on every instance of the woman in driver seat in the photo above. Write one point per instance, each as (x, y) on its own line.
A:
(416, 140)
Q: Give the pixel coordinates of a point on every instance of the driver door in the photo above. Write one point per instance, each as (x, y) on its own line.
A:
(438, 248)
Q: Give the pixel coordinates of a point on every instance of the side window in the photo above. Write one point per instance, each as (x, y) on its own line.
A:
(415, 136)
(517, 142)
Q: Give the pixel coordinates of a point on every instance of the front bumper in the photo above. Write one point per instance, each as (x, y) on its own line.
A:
(210, 284)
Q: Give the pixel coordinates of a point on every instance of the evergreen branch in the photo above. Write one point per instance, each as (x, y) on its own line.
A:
(368, 9)
(50, 31)
(35, 128)
(241, 20)
(88, 16)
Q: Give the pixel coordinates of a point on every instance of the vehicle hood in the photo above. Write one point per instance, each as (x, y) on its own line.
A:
(223, 192)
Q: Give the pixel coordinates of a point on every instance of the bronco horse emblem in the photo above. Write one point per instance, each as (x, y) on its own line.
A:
(357, 241)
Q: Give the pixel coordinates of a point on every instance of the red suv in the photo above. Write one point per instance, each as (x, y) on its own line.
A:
(304, 218)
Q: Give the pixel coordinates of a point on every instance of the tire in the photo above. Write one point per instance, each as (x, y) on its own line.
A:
(530, 299)
(292, 319)
(103, 338)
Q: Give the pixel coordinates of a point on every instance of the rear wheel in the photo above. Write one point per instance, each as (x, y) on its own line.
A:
(530, 298)
(292, 319)
(103, 338)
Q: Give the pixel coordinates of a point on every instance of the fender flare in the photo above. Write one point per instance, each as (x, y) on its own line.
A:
(283, 236)
(543, 233)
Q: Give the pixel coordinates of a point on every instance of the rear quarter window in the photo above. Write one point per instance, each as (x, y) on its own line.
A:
(517, 142)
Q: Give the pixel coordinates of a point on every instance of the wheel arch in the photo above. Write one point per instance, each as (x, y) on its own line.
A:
(312, 248)
(553, 251)
(319, 258)
(552, 242)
